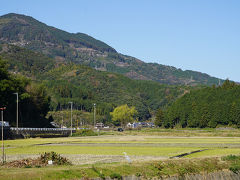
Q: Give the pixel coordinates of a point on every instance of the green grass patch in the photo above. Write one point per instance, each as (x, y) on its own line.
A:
(234, 162)
(216, 152)
(103, 150)
(143, 170)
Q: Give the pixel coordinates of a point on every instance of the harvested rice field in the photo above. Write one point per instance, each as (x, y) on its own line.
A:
(111, 148)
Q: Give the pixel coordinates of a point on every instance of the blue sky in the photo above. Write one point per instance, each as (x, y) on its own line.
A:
(200, 35)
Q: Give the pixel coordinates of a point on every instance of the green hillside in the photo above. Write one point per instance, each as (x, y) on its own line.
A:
(29, 63)
(206, 107)
(84, 86)
(80, 48)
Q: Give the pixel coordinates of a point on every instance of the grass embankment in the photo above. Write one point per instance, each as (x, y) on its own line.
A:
(144, 169)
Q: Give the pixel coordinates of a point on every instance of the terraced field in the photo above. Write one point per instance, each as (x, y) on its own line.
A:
(111, 148)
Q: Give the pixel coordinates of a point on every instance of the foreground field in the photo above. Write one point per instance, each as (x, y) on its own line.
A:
(144, 170)
(110, 148)
(145, 149)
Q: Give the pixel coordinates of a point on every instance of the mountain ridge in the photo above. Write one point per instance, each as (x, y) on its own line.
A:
(80, 48)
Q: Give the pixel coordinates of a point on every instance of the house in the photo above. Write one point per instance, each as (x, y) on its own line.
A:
(140, 124)
(99, 125)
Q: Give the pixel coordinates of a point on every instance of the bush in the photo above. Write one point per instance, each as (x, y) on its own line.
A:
(100, 174)
(231, 158)
(27, 166)
(40, 161)
(138, 174)
(235, 168)
(235, 162)
(56, 158)
(115, 176)
(85, 132)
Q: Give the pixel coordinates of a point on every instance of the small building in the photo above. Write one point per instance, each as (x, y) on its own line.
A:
(99, 125)
(133, 125)
(140, 124)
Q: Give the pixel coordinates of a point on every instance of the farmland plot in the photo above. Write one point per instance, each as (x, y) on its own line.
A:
(111, 148)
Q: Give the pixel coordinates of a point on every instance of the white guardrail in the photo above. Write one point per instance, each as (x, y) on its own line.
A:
(42, 129)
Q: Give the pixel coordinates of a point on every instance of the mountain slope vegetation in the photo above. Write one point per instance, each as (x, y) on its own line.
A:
(80, 48)
(207, 107)
(34, 102)
(78, 68)
(85, 86)
(29, 63)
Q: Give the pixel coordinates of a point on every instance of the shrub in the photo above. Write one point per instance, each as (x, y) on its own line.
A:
(235, 168)
(231, 158)
(138, 174)
(40, 161)
(235, 162)
(56, 158)
(115, 176)
(100, 174)
(28, 166)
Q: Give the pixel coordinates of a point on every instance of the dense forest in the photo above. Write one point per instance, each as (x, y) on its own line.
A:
(27, 62)
(33, 100)
(207, 107)
(85, 86)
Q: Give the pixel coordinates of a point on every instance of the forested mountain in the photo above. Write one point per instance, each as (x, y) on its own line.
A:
(206, 107)
(27, 62)
(84, 86)
(80, 48)
(78, 68)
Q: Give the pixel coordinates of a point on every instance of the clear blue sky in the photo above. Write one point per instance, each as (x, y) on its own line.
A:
(201, 35)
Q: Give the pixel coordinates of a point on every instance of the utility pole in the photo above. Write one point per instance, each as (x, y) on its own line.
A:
(77, 121)
(62, 120)
(94, 115)
(17, 113)
(71, 116)
(61, 116)
(3, 155)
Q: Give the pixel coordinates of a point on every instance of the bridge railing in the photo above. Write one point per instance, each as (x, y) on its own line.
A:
(42, 129)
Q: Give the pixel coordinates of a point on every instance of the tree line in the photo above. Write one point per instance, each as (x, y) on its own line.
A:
(207, 107)
(34, 102)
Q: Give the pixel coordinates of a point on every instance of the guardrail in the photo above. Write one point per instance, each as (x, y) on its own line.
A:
(33, 132)
(42, 129)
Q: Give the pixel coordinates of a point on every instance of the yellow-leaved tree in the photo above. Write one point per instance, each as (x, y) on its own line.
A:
(124, 114)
